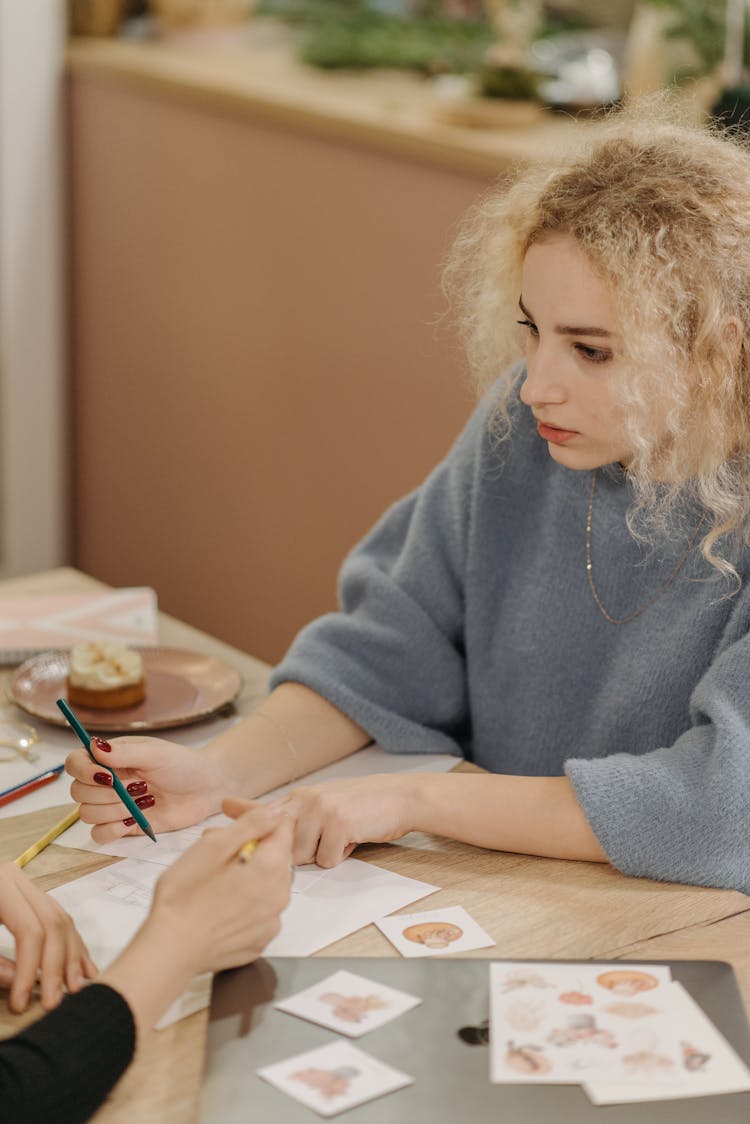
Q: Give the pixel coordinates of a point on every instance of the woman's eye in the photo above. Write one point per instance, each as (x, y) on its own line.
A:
(533, 330)
(593, 354)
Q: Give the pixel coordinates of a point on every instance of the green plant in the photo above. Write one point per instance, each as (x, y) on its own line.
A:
(352, 34)
(513, 82)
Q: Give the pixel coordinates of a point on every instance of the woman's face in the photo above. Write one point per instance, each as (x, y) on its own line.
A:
(573, 356)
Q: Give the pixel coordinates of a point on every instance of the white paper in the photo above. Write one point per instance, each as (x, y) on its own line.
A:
(326, 905)
(109, 905)
(168, 847)
(346, 898)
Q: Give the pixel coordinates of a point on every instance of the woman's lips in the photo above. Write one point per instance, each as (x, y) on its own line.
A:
(553, 434)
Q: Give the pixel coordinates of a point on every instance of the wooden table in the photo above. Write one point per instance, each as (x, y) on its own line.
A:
(533, 907)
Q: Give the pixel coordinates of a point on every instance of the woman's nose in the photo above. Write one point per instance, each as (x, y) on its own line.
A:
(543, 384)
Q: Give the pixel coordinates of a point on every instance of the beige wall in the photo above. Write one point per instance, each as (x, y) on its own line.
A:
(256, 370)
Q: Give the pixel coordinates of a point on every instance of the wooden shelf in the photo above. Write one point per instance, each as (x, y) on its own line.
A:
(252, 70)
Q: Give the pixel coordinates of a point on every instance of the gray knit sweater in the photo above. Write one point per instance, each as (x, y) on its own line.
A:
(467, 626)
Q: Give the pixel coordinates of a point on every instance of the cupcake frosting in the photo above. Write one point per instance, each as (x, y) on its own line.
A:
(100, 667)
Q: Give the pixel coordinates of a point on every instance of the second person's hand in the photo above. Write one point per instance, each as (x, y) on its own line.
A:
(331, 819)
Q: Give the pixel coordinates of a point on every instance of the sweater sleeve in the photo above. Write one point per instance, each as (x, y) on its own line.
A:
(62, 1067)
(393, 658)
(680, 813)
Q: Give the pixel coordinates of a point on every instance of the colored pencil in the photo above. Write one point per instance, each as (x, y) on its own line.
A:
(119, 787)
(30, 785)
(246, 850)
(48, 837)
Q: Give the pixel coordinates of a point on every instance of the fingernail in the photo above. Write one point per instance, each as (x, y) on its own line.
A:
(137, 788)
(22, 1001)
(129, 821)
(103, 745)
(146, 801)
(103, 778)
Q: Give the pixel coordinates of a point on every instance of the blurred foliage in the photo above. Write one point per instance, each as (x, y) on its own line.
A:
(353, 34)
(508, 82)
(429, 36)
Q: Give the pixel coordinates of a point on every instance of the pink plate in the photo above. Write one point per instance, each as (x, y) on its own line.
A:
(181, 687)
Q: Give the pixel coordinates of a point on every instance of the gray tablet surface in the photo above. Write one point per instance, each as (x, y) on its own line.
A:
(442, 1043)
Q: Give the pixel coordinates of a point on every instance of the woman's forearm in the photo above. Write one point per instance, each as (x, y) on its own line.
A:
(527, 815)
(292, 733)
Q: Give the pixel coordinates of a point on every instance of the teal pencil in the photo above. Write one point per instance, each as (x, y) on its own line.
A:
(117, 784)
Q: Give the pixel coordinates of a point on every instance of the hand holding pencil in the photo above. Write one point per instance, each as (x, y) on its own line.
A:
(132, 805)
(176, 785)
(243, 900)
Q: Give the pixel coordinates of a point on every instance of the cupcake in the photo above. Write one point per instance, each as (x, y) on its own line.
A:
(105, 676)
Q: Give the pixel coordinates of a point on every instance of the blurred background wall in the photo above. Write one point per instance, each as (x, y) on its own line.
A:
(34, 400)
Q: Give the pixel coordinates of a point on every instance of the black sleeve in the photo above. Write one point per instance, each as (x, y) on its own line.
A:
(63, 1066)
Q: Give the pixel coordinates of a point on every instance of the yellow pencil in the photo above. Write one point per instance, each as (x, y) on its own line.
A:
(47, 838)
(246, 850)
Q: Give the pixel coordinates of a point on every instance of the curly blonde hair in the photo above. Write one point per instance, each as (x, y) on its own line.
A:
(662, 210)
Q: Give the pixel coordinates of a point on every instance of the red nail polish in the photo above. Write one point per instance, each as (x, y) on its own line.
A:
(146, 801)
(103, 745)
(129, 821)
(103, 778)
(137, 788)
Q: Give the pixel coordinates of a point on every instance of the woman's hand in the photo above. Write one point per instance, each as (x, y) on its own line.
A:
(175, 786)
(331, 819)
(221, 909)
(210, 911)
(47, 944)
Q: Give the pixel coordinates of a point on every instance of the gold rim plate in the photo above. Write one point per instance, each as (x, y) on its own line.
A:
(181, 687)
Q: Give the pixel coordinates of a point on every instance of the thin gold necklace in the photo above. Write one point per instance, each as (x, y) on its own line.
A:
(662, 588)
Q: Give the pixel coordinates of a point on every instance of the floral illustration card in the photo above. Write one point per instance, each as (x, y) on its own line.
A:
(348, 1003)
(434, 932)
(333, 1078)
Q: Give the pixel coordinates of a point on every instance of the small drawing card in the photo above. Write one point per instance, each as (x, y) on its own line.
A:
(557, 1023)
(333, 1078)
(349, 1004)
(434, 932)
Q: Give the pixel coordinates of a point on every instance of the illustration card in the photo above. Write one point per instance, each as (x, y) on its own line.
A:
(434, 932)
(570, 1023)
(349, 1004)
(708, 1066)
(333, 1078)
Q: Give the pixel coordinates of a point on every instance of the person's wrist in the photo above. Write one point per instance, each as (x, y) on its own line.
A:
(225, 773)
(242, 762)
(413, 801)
(149, 974)
(421, 800)
(175, 939)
